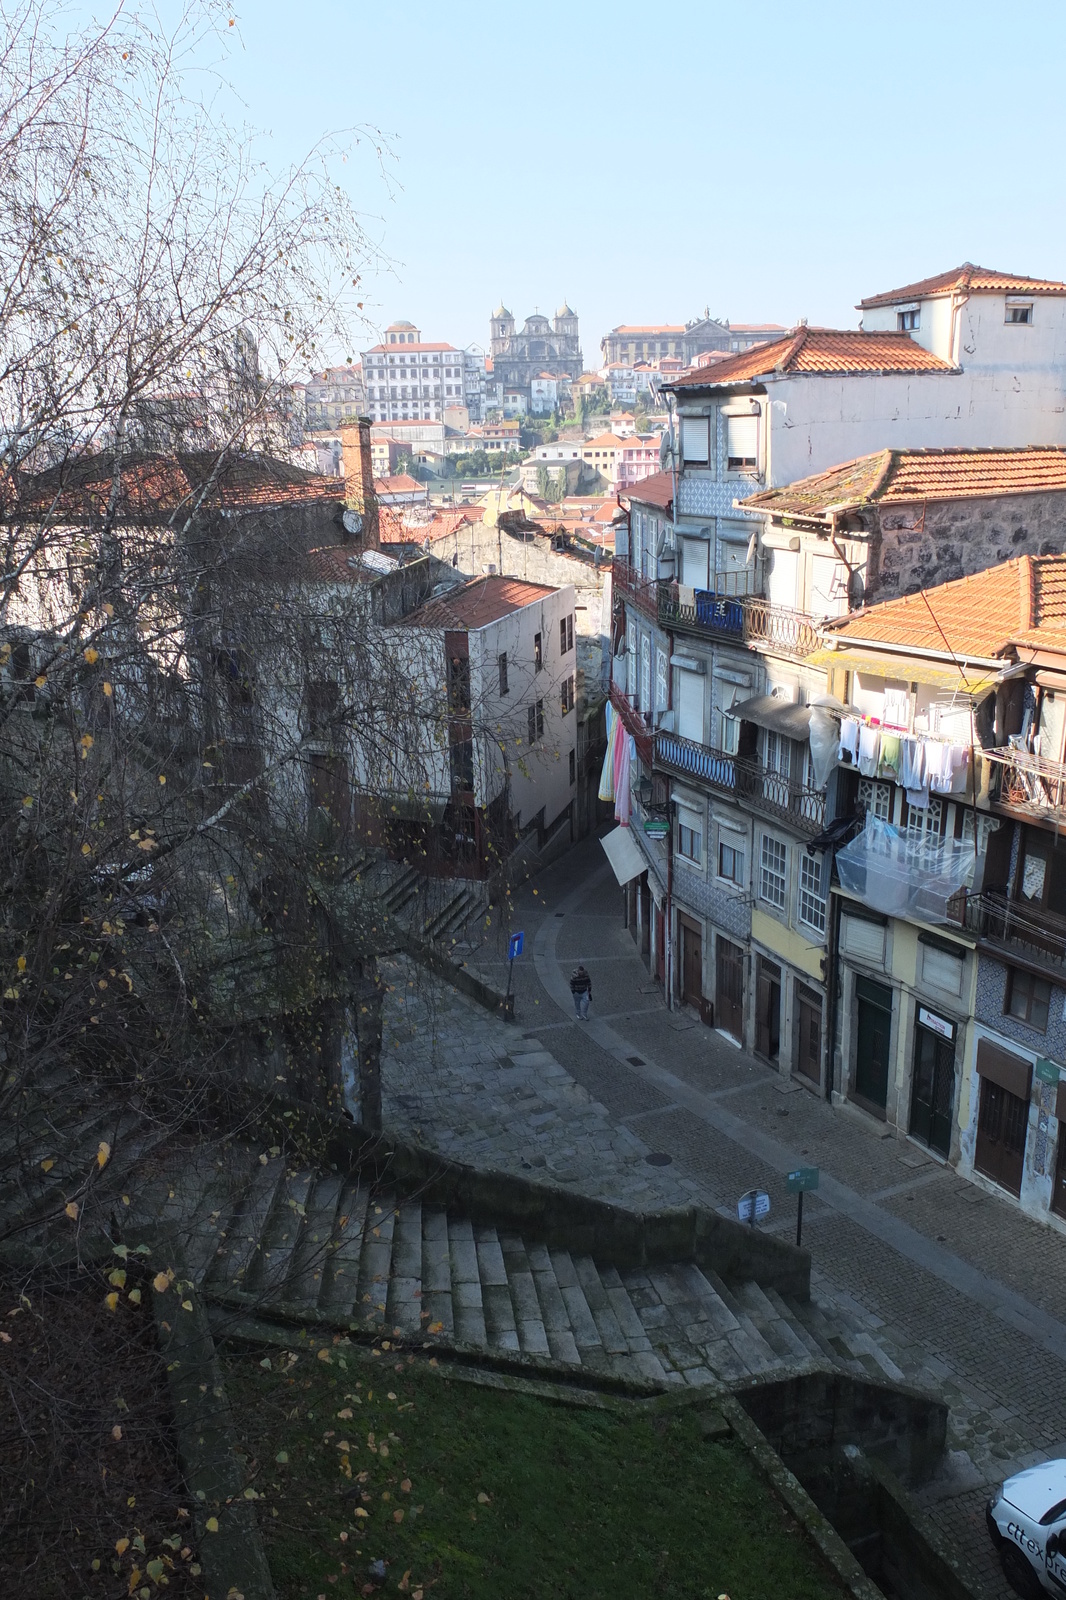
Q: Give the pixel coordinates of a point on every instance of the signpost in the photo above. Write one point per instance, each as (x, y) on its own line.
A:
(799, 1182)
(753, 1205)
(514, 948)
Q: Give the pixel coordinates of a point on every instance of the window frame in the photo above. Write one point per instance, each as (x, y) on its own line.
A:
(772, 872)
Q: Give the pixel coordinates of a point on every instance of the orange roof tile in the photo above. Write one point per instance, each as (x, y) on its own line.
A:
(975, 617)
(477, 603)
(979, 280)
(904, 476)
(655, 490)
(818, 350)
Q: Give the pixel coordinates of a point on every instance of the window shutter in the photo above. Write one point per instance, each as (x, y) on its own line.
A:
(742, 442)
(694, 436)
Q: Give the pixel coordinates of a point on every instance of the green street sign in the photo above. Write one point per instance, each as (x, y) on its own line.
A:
(1047, 1071)
(802, 1179)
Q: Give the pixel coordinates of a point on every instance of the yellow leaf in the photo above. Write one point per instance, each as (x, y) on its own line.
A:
(211, 1524)
(111, 1300)
(92, 656)
(48, 1164)
(121, 1546)
(103, 1154)
(71, 1209)
(161, 1283)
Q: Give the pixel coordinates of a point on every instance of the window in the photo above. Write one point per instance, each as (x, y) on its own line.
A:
(662, 685)
(573, 766)
(538, 652)
(694, 441)
(503, 671)
(567, 695)
(690, 835)
(773, 879)
(1019, 311)
(811, 904)
(907, 321)
(1028, 999)
(742, 443)
(730, 861)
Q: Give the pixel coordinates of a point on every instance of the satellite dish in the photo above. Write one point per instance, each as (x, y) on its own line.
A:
(352, 521)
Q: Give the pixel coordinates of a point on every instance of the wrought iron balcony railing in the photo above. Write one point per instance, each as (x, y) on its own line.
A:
(1037, 934)
(767, 792)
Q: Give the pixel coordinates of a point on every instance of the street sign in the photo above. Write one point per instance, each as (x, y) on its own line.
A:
(515, 946)
(802, 1179)
(1047, 1071)
(753, 1206)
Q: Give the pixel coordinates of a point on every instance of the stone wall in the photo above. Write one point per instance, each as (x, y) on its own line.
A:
(958, 537)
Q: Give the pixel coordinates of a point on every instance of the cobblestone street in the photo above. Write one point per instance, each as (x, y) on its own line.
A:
(955, 1283)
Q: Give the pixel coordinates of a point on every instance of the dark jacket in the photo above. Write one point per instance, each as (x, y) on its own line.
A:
(581, 983)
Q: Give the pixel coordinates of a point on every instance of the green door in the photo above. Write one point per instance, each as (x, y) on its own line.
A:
(873, 1029)
(933, 1094)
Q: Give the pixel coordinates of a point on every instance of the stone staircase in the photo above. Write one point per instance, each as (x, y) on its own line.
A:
(300, 1244)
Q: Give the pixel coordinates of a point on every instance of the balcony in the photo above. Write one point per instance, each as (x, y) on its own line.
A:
(768, 793)
(1027, 785)
(1035, 935)
(641, 592)
(728, 612)
(633, 722)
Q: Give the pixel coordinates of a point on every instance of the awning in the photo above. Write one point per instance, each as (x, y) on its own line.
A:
(782, 716)
(907, 669)
(624, 854)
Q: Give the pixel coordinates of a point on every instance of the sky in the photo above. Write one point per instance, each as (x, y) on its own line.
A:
(770, 162)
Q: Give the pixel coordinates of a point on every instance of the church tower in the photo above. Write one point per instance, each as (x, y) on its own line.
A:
(501, 331)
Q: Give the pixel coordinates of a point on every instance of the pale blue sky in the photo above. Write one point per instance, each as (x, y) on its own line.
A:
(771, 161)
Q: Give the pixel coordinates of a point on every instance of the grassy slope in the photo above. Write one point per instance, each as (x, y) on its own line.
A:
(478, 1493)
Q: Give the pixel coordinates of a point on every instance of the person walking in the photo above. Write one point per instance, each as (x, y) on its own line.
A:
(581, 989)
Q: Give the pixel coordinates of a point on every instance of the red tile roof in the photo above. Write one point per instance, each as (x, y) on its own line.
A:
(975, 617)
(819, 350)
(477, 603)
(978, 280)
(656, 490)
(904, 476)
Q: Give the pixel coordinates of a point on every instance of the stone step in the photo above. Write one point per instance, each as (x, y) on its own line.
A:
(340, 1271)
(375, 1263)
(281, 1232)
(233, 1265)
(468, 1311)
(307, 1269)
(403, 1306)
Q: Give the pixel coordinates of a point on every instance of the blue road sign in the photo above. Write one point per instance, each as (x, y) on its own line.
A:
(515, 946)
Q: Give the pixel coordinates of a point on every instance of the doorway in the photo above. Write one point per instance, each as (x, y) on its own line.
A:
(873, 1031)
(768, 1009)
(729, 988)
(933, 1091)
(808, 1034)
(691, 963)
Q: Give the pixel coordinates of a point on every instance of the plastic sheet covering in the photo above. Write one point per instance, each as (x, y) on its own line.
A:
(902, 876)
(825, 737)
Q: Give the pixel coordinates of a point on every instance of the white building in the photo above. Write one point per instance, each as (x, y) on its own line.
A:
(407, 379)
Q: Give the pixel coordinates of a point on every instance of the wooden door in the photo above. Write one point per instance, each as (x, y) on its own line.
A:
(872, 1035)
(808, 1033)
(933, 1090)
(768, 1009)
(729, 988)
(1002, 1124)
(691, 965)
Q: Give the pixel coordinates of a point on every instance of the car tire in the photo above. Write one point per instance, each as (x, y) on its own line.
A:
(1019, 1574)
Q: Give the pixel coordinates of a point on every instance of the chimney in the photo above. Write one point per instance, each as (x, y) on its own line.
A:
(359, 482)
